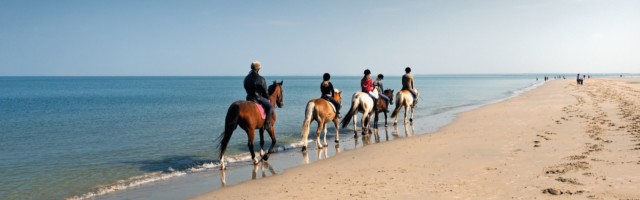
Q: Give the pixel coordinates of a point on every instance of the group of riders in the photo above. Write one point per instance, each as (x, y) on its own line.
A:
(256, 88)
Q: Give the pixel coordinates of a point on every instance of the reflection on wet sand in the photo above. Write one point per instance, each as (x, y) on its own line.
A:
(406, 130)
(320, 153)
(407, 133)
(264, 166)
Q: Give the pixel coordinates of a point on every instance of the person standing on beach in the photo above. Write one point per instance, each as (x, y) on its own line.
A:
(256, 88)
(378, 85)
(327, 92)
(407, 83)
(367, 86)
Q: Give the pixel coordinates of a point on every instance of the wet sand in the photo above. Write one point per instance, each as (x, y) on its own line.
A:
(557, 140)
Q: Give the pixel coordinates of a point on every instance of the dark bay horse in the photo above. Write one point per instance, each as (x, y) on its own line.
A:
(248, 117)
(383, 107)
(323, 112)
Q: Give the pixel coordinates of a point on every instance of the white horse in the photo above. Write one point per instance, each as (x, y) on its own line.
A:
(360, 102)
(404, 98)
(323, 112)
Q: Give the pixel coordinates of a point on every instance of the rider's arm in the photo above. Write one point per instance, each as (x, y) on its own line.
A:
(261, 87)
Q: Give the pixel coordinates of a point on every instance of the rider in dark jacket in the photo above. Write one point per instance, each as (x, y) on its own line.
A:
(256, 88)
(326, 88)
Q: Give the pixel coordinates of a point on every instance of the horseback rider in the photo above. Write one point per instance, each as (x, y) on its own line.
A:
(407, 84)
(327, 92)
(367, 86)
(378, 85)
(256, 88)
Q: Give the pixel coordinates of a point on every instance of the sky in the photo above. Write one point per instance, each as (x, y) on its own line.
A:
(291, 37)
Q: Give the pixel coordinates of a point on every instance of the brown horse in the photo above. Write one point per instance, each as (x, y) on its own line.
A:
(383, 107)
(247, 115)
(323, 112)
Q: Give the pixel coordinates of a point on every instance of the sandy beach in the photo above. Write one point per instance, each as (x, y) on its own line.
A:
(557, 141)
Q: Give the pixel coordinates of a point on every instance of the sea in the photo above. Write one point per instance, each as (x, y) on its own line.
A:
(131, 137)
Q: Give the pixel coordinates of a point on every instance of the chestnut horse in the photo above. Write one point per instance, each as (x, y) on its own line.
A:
(323, 112)
(383, 107)
(247, 115)
(360, 102)
(404, 98)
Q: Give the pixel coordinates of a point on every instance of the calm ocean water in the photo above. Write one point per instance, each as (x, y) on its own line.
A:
(62, 137)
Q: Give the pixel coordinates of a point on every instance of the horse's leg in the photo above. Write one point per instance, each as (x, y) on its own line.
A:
(406, 109)
(324, 143)
(355, 119)
(251, 133)
(318, 133)
(305, 134)
(272, 134)
(336, 122)
(413, 110)
(365, 123)
(385, 119)
(261, 142)
(375, 120)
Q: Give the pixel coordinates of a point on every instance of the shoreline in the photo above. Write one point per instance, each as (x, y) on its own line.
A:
(287, 156)
(517, 156)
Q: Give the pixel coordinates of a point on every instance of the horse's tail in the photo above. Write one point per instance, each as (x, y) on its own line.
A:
(230, 124)
(308, 113)
(399, 102)
(352, 111)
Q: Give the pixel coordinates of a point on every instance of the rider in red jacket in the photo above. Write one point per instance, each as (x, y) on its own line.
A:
(367, 86)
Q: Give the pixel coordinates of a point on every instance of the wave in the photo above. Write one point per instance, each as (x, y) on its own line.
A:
(170, 172)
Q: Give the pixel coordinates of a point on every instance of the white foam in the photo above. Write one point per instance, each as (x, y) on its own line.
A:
(159, 176)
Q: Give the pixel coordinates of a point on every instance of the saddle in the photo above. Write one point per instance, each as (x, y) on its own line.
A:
(261, 110)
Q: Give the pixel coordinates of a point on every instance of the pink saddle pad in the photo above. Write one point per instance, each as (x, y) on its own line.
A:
(262, 113)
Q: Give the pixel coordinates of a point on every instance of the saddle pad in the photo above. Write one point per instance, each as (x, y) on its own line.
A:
(331, 104)
(261, 110)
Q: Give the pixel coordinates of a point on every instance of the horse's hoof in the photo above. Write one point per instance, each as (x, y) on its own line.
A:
(385, 125)
(411, 120)
(255, 161)
(336, 141)
(304, 148)
(395, 123)
(265, 157)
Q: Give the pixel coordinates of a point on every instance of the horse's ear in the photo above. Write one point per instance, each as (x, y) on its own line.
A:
(281, 82)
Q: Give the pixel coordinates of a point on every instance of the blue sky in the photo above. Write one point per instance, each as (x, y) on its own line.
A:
(213, 38)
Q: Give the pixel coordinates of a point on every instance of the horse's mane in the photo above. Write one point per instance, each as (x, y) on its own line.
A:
(272, 87)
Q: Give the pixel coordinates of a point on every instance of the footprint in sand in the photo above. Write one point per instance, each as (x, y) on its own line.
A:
(576, 157)
(568, 180)
(566, 167)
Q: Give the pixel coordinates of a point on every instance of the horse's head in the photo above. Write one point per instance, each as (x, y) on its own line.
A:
(337, 95)
(389, 93)
(276, 94)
